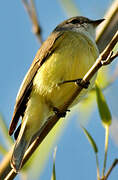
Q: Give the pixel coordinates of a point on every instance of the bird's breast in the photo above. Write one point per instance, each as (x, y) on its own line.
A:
(71, 60)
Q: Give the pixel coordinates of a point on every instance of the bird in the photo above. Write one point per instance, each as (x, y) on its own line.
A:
(65, 57)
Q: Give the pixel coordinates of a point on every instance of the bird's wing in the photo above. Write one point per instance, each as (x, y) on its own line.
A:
(43, 53)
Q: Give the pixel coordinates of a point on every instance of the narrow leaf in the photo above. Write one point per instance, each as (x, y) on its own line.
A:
(69, 7)
(103, 108)
(4, 129)
(3, 151)
(106, 120)
(54, 171)
(95, 148)
(91, 140)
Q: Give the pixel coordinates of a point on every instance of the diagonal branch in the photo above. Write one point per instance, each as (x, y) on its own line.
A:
(53, 120)
(5, 169)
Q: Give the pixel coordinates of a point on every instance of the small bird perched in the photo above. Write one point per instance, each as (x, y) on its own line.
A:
(64, 57)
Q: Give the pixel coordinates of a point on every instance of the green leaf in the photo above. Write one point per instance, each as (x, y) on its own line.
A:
(88, 102)
(3, 151)
(103, 77)
(91, 140)
(103, 108)
(106, 120)
(94, 146)
(54, 172)
(69, 7)
(4, 129)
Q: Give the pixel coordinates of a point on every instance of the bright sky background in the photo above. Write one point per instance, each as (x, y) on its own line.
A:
(18, 45)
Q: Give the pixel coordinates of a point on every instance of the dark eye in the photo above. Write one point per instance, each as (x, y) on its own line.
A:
(75, 21)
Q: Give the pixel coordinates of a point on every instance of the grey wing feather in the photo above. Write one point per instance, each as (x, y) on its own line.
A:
(46, 49)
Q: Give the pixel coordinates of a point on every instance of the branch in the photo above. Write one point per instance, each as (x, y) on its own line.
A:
(31, 10)
(109, 27)
(53, 120)
(110, 169)
(105, 31)
(5, 168)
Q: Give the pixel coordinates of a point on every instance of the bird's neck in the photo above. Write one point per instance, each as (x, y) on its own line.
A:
(89, 32)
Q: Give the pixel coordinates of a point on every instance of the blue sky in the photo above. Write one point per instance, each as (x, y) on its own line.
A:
(18, 46)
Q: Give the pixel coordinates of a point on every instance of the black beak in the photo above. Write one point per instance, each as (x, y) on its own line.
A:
(97, 22)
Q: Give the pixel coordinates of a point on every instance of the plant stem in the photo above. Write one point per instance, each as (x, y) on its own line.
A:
(97, 164)
(106, 148)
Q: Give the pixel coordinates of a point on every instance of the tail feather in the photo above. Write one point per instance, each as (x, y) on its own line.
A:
(18, 153)
(17, 132)
(19, 150)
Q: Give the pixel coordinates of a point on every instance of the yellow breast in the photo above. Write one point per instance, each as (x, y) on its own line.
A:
(71, 60)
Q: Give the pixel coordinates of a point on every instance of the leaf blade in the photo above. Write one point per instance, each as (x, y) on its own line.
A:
(3, 151)
(4, 129)
(103, 108)
(54, 171)
(91, 140)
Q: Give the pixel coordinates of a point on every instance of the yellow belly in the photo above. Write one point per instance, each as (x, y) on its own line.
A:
(71, 60)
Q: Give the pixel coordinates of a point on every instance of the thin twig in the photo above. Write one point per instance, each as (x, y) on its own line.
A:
(31, 10)
(111, 168)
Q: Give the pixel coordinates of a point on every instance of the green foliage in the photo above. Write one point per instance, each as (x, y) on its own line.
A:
(94, 146)
(88, 103)
(91, 140)
(106, 119)
(3, 151)
(69, 7)
(103, 108)
(4, 129)
(54, 171)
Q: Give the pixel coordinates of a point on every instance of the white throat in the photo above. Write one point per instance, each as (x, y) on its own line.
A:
(88, 30)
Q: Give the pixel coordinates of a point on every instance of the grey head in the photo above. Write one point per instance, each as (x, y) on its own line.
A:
(79, 23)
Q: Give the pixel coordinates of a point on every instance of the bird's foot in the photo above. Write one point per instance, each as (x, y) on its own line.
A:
(60, 114)
(78, 82)
(84, 85)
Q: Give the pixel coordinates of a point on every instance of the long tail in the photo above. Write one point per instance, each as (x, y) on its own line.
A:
(19, 150)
